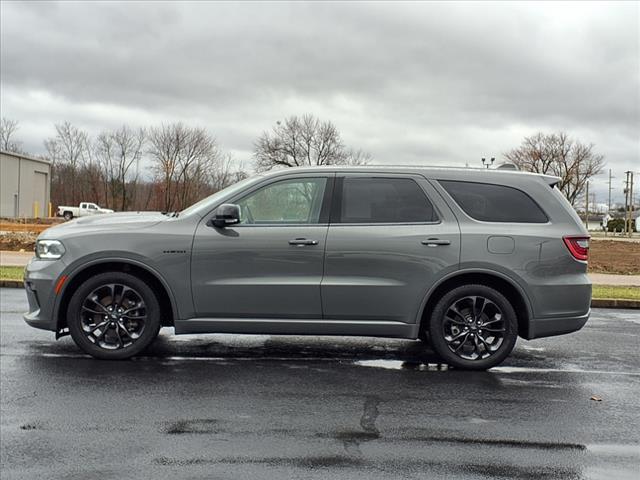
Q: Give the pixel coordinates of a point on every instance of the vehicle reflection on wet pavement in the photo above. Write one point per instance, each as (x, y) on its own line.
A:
(257, 406)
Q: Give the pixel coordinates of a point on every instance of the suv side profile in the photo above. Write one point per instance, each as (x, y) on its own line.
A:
(468, 259)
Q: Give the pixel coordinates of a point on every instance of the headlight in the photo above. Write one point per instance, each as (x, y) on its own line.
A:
(49, 249)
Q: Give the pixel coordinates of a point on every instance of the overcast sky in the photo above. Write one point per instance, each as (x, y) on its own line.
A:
(427, 83)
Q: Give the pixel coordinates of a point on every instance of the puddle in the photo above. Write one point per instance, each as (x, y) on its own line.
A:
(477, 420)
(615, 449)
(245, 340)
(403, 365)
(205, 425)
(558, 370)
(533, 349)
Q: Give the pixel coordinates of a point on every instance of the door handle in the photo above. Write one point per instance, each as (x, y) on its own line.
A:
(301, 242)
(434, 242)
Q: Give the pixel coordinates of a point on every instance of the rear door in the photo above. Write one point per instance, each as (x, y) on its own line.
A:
(390, 238)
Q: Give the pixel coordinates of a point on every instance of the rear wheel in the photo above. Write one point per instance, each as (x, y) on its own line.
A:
(473, 327)
(113, 316)
(68, 215)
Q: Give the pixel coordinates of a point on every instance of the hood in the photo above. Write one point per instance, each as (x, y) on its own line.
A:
(110, 221)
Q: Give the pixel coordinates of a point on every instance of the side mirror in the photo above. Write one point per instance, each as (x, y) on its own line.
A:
(225, 215)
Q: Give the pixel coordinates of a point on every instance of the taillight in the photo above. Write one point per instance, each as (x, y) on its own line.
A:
(578, 246)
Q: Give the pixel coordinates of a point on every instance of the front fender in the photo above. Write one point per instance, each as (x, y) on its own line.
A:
(179, 305)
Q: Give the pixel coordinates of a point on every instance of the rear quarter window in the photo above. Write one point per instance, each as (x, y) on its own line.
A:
(488, 202)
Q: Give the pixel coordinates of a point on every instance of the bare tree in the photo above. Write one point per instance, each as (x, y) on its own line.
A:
(164, 150)
(226, 173)
(303, 141)
(357, 157)
(557, 154)
(184, 159)
(187, 163)
(69, 151)
(119, 153)
(7, 130)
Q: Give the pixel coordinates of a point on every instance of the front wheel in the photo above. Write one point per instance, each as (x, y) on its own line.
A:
(113, 316)
(473, 327)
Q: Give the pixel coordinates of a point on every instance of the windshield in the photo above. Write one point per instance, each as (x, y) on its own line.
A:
(212, 199)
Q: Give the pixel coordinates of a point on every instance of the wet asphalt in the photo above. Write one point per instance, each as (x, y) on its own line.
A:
(227, 406)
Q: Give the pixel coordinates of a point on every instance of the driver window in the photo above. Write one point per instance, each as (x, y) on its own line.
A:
(298, 200)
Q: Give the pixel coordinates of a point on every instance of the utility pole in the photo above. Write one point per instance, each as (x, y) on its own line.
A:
(586, 208)
(626, 203)
(631, 207)
(610, 177)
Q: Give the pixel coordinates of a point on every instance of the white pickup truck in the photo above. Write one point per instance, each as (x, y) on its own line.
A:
(83, 210)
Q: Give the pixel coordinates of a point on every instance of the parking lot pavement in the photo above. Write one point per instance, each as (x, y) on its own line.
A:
(226, 406)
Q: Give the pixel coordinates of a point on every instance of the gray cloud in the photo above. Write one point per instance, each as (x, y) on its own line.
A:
(412, 83)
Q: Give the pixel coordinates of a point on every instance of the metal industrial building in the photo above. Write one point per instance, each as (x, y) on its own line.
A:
(25, 185)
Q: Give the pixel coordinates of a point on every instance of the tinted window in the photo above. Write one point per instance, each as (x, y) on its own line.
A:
(384, 200)
(290, 201)
(494, 203)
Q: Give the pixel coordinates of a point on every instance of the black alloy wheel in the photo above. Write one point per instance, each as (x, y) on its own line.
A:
(114, 315)
(473, 327)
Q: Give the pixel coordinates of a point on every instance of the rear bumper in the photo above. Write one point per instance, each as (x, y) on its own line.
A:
(547, 327)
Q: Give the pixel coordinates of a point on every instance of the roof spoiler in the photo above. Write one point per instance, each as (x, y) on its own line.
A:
(550, 180)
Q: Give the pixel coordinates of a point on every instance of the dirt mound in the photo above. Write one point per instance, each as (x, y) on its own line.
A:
(16, 241)
(609, 256)
(37, 221)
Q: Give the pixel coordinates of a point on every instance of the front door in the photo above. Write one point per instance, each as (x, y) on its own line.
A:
(270, 265)
(390, 238)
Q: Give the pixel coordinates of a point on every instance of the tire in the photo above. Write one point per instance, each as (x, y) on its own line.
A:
(67, 216)
(113, 316)
(456, 327)
(424, 336)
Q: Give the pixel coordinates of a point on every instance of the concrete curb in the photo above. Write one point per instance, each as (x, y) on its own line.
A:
(595, 302)
(614, 303)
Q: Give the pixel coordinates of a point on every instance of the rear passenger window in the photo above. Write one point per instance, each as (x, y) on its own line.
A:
(384, 200)
(494, 203)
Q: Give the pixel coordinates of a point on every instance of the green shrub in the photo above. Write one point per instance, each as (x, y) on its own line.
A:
(617, 225)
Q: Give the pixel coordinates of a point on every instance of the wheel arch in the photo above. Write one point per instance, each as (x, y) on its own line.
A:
(505, 285)
(142, 271)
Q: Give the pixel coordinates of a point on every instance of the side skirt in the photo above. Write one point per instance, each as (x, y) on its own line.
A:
(367, 328)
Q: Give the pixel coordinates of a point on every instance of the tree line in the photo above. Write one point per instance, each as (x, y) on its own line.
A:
(170, 166)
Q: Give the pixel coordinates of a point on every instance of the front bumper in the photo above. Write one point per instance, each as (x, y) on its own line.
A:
(40, 278)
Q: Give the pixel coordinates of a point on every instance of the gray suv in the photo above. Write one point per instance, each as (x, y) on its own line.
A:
(465, 259)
